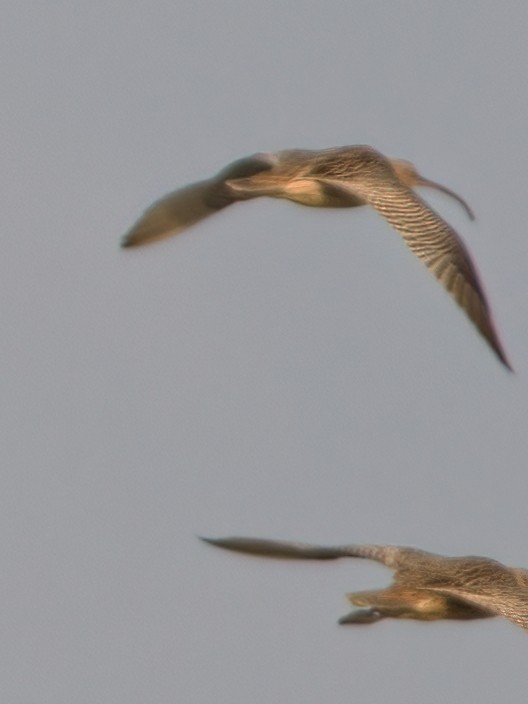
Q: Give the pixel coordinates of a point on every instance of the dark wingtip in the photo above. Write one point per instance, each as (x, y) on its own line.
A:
(211, 541)
(236, 544)
(248, 546)
(501, 354)
(226, 543)
(127, 241)
(497, 348)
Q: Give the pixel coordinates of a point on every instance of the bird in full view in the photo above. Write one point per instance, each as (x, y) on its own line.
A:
(341, 177)
(426, 587)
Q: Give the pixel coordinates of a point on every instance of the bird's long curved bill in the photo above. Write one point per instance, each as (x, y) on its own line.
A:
(438, 187)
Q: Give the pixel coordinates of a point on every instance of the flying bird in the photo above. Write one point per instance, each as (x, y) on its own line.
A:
(426, 587)
(341, 177)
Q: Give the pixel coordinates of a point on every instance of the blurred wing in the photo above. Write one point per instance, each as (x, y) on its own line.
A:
(509, 603)
(436, 244)
(275, 548)
(171, 214)
(387, 554)
(180, 209)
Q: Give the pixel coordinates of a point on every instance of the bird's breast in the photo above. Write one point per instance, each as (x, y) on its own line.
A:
(317, 193)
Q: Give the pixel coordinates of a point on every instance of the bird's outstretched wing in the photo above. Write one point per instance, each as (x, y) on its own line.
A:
(262, 547)
(509, 602)
(180, 209)
(434, 242)
(171, 214)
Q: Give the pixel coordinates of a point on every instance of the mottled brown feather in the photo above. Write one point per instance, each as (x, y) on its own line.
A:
(339, 177)
(426, 586)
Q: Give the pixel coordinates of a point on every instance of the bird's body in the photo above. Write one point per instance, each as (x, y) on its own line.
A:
(341, 177)
(426, 586)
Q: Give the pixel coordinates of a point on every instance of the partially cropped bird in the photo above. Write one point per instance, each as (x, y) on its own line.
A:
(341, 177)
(426, 587)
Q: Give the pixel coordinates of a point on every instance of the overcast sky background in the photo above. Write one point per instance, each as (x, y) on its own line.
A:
(277, 371)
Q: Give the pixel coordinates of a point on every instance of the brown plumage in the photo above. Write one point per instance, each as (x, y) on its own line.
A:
(342, 177)
(426, 587)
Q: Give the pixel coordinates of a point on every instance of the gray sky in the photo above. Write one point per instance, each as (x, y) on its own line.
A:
(277, 371)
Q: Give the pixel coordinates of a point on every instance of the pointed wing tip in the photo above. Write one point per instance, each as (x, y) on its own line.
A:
(133, 238)
(139, 239)
(126, 242)
(204, 539)
(501, 354)
(491, 338)
(227, 543)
